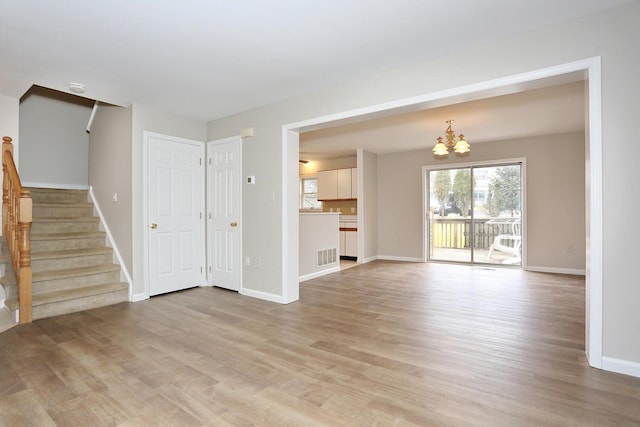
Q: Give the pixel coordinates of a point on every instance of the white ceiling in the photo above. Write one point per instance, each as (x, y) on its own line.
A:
(206, 59)
(544, 111)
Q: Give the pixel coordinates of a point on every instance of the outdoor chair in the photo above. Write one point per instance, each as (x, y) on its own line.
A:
(509, 243)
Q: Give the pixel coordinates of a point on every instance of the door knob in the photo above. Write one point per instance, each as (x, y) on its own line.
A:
(153, 226)
(234, 224)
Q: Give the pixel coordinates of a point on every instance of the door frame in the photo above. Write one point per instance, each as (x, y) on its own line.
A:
(146, 135)
(589, 69)
(498, 162)
(238, 141)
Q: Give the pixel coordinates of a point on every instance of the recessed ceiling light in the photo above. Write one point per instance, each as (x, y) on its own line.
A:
(76, 87)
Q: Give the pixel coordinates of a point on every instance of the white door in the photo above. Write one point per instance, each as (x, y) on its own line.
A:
(224, 212)
(175, 203)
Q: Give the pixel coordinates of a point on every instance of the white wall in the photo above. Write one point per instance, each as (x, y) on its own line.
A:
(54, 142)
(110, 172)
(610, 34)
(555, 198)
(9, 122)
(148, 119)
(318, 231)
(368, 220)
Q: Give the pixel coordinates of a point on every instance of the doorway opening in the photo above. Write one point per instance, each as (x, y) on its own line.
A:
(474, 213)
(588, 70)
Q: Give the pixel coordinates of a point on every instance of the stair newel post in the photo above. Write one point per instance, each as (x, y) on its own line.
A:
(16, 228)
(6, 146)
(24, 226)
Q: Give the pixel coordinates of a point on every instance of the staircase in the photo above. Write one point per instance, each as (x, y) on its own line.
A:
(73, 269)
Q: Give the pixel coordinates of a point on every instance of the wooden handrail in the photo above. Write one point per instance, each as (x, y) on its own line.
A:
(16, 227)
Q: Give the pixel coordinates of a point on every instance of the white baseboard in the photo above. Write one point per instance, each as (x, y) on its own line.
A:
(572, 271)
(318, 274)
(366, 260)
(139, 297)
(399, 258)
(621, 366)
(55, 185)
(262, 295)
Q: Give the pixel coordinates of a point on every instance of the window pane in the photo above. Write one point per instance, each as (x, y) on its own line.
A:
(310, 185)
(309, 201)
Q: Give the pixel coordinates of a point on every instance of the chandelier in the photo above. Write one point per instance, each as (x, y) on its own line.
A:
(459, 147)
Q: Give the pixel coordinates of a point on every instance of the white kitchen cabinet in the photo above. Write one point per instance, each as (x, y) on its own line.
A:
(348, 238)
(351, 243)
(328, 185)
(337, 184)
(344, 184)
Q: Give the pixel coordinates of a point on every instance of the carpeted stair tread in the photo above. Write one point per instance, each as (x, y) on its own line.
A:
(56, 190)
(68, 236)
(73, 272)
(65, 219)
(67, 253)
(69, 294)
(63, 204)
(64, 273)
(72, 266)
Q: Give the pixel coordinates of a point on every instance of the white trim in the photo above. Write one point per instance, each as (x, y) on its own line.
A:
(55, 186)
(263, 296)
(399, 258)
(94, 110)
(555, 270)
(595, 223)
(290, 216)
(621, 366)
(112, 243)
(362, 212)
(369, 259)
(318, 274)
(510, 84)
(139, 297)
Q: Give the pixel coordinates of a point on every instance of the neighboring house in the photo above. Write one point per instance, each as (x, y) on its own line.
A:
(116, 142)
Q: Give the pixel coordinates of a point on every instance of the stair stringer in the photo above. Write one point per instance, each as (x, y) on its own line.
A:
(124, 273)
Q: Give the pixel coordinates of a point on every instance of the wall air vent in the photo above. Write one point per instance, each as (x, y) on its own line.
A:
(327, 256)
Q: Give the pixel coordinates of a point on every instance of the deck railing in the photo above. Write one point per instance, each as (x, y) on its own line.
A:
(456, 232)
(16, 228)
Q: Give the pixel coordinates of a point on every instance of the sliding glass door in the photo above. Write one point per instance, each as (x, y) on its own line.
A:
(474, 214)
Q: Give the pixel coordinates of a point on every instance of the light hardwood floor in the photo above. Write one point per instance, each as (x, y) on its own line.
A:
(381, 344)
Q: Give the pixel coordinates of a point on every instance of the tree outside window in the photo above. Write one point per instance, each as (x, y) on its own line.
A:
(309, 194)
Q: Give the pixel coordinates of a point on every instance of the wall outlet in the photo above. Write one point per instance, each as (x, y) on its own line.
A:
(258, 262)
(114, 197)
(247, 261)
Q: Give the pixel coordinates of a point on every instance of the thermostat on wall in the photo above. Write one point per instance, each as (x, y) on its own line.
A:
(251, 180)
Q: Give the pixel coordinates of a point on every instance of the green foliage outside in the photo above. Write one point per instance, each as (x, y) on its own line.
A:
(442, 186)
(462, 190)
(505, 189)
(491, 206)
